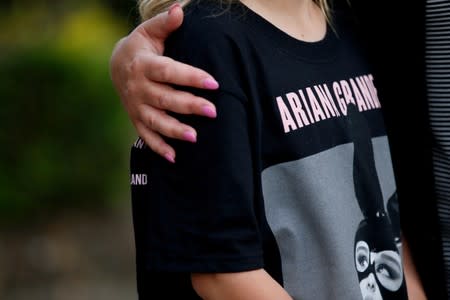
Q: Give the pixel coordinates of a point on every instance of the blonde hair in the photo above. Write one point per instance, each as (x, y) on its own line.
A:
(150, 8)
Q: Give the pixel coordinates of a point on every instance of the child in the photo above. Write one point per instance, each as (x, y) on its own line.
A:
(284, 195)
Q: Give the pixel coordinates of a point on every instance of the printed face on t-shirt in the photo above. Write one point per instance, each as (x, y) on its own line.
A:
(379, 268)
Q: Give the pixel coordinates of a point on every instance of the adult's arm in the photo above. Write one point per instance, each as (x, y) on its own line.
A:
(142, 77)
(250, 285)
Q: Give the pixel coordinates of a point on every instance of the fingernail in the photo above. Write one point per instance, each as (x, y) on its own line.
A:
(169, 157)
(173, 6)
(189, 136)
(209, 111)
(210, 83)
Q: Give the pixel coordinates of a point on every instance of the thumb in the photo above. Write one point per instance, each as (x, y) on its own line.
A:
(174, 17)
(162, 25)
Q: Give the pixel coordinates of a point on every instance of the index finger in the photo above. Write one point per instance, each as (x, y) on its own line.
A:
(166, 70)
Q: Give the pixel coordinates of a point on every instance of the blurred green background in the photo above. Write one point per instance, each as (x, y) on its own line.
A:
(65, 221)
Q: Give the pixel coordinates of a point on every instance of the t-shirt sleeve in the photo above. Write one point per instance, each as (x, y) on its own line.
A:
(197, 215)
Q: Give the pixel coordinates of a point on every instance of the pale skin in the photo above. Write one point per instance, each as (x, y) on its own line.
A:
(251, 285)
(415, 289)
(141, 75)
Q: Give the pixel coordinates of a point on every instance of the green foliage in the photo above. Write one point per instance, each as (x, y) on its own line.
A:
(64, 136)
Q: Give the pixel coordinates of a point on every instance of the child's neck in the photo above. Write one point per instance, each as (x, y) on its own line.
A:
(301, 19)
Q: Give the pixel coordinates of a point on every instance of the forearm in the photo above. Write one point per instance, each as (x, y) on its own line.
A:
(248, 285)
(413, 283)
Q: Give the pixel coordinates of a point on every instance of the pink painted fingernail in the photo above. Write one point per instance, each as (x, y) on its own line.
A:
(189, 136)
(169, 157)
(173, 6)
(209, 111)
(210, 83)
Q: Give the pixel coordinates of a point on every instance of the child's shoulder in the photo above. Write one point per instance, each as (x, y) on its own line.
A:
(212, 37)
(209, 20)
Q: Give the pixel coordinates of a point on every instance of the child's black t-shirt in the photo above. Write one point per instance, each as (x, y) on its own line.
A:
(293, 176)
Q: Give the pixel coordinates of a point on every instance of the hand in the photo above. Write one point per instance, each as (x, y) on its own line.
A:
(141, 76)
